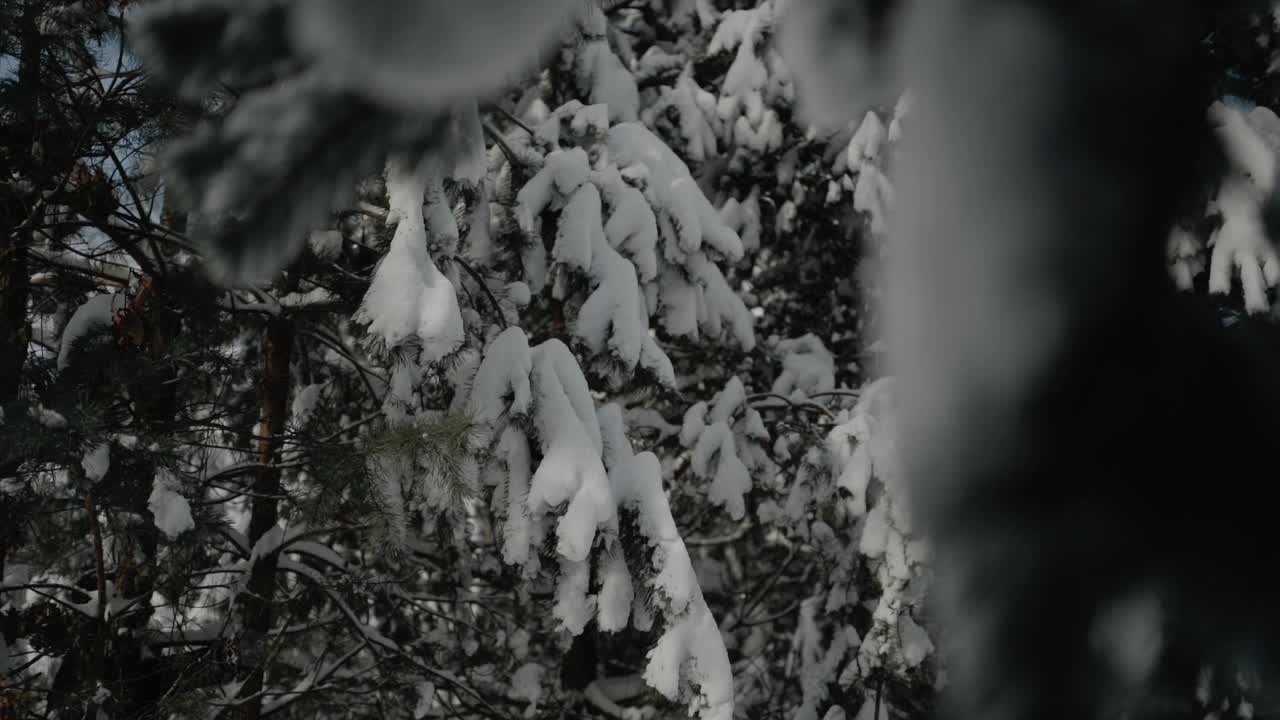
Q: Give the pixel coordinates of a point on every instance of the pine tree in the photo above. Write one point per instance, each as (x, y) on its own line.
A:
(527, 368)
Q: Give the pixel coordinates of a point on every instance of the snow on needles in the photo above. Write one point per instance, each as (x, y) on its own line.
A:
(537, 397)
(94, 316)
(409, 298)
(96, 462)
(692, 290)
(1240, 245)
(700, 124)
(726, 439)
(171, 510)
(808, 367)
(674, 193)
(545, 389)
(635, 239)
(601, 75)
(571, 470)
(756, 76)
(862, 448)
(614, 319)
(691, 633)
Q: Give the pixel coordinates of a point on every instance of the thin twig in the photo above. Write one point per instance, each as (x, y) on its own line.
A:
(514, 120)
(496, 136)
(475, 275)
(768, 587)
(721, 540)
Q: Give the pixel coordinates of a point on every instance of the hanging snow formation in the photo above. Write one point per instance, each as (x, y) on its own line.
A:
(409, 299)
(534, 402)
(635, 239)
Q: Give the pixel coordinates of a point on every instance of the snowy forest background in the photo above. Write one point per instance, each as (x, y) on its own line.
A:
(477, 360)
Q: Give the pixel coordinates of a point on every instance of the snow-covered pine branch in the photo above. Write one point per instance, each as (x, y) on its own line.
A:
(727, 441)
(556, 459)
(634, 239)
(409, 300)
(690, 652)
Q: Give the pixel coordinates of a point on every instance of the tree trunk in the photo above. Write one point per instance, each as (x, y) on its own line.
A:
(144, 331)
(256, 602)
(15, 332)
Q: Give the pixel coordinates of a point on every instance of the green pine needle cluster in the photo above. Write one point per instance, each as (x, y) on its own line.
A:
(439, 450)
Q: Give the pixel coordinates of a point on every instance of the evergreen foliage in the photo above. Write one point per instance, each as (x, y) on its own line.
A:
(535, 377)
